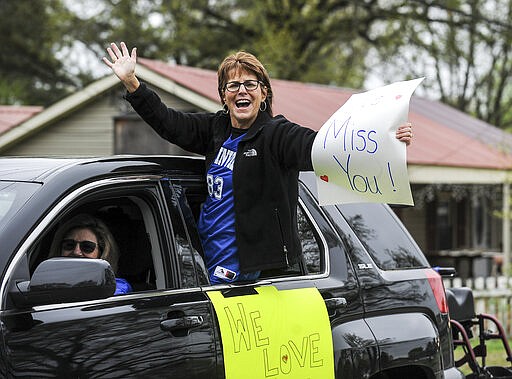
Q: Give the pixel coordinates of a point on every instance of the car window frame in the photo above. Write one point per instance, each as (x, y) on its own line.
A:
(94, 189)
(305, 206)
(167, 186)
(308, 205)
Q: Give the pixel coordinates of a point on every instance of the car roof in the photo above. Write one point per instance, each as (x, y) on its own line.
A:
(35, 169)
(31, 169)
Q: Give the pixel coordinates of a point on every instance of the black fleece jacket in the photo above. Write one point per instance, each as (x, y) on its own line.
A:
(265, 173)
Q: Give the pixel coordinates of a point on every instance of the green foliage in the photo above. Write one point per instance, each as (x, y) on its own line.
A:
(496, 355)
(30, 35)
(295, 38)
(463, 47)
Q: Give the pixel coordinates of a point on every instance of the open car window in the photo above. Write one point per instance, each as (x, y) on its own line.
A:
(186, 197)
(134, 218)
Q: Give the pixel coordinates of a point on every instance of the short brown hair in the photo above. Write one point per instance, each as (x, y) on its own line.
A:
(246, 62)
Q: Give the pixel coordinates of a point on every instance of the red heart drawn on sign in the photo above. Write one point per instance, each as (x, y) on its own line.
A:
(285, 358)
(398, 97)
(325, 178)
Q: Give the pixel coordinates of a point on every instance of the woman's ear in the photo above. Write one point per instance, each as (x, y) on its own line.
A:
(264, 93)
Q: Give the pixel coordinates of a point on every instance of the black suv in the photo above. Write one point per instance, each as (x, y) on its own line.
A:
(386, 307)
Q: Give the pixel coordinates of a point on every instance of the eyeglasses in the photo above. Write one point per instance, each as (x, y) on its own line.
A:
(250, 85)
(86, 247)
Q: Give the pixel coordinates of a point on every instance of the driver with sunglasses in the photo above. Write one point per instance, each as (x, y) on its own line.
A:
(85, 236)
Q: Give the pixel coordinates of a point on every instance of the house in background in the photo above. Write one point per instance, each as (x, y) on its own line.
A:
(459, 167)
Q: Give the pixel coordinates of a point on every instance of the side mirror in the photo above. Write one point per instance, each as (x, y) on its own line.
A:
(64, 280)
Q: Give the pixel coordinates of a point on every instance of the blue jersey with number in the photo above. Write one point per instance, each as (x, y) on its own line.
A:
(217, 221)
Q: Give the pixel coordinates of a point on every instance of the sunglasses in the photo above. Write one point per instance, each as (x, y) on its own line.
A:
(86, 247)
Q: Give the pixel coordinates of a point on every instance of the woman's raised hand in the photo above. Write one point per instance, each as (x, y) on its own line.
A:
(123, 65)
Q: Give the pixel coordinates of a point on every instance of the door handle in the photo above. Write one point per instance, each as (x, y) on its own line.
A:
(181, 323)
(334, 304)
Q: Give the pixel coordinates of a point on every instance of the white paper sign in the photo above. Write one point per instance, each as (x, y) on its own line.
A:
(356, 156)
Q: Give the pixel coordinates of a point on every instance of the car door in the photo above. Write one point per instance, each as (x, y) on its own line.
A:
(325, 265)
(164, 330)
(355, 347)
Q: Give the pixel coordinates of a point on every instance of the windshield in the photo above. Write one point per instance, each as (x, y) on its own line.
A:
(13, 195)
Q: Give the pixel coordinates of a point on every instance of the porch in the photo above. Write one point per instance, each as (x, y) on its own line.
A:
(461, 218)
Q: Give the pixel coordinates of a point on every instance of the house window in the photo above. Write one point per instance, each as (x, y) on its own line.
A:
(480, 222)
(444, 225)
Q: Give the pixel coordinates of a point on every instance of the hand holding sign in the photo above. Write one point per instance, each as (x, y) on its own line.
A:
(356, 156)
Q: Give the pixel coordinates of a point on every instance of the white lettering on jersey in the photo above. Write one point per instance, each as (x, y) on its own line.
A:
(215, 185)
(225, 158)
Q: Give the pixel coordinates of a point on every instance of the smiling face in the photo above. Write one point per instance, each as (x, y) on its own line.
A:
(244, 105)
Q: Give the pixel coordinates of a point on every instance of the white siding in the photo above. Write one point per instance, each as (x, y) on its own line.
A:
(88, 131)
(84, 132)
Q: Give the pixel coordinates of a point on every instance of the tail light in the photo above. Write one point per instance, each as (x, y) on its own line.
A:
(436, 283)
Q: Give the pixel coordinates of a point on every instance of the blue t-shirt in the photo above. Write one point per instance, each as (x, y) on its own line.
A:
(217, 221)
(122, 287)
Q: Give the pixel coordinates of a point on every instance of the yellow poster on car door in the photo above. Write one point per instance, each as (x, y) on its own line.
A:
(275, 334)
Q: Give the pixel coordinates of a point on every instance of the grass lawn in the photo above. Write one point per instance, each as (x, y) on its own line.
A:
(496, 355)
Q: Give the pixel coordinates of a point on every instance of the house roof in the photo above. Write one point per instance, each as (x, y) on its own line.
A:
(13, 115)
(306, 104)
(443, 136)
(15, 131)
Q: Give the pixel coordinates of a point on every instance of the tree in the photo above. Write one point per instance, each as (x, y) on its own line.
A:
(290, 37)
(461, 46)
(464, 50)
(31, 34)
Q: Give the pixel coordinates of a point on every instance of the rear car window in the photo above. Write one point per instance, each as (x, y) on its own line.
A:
(383, 236)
